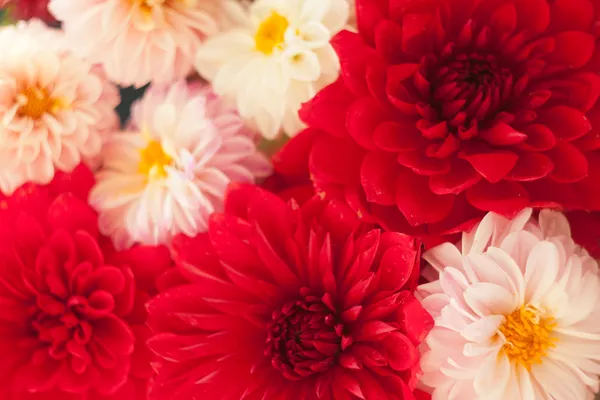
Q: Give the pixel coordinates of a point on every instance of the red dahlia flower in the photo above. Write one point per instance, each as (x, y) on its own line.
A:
(72, 320)
(287, 302)
(446, 109)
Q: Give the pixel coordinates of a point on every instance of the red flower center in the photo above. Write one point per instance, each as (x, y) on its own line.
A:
(469, 88)
(64, 329)
(305, 337)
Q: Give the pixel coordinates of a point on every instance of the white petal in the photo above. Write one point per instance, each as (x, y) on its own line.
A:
(519, 245)
(558, 381)
(304, 65)
(483, 329)
(490, 299)
(554, 223)
(444, 255)
(540, 271)
(525, 384)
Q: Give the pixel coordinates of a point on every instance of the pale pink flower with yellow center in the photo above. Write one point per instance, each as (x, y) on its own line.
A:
(138, 41)
(170, 171)
(54, 107)
(517, 313)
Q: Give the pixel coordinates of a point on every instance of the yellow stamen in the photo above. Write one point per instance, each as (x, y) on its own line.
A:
(528, 336)
(153, 160)
(36, 101)
(271, 33)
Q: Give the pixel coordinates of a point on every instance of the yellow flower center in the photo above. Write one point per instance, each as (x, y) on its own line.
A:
(528, 336)
(36, 102)
(153, 160)
(271, 33)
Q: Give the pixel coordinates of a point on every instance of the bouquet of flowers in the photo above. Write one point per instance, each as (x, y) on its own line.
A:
(299, 199)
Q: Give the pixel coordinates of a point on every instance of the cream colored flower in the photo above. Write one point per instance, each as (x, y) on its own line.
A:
(54, 107)
(274, 58)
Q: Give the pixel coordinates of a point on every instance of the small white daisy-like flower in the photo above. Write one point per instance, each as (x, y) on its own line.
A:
(54, 107)
(276, 57)
(517, 313)
(169, 172)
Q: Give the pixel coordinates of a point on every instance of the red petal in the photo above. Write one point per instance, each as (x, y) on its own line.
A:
(422, 164)
(461, 177)
(566, 123)
(396, 266)
(147, 263)
(493, 166)
(354, 57)
(504, 19)
(505, 198)
(377, 82)
(110, 279)
(364, 116)
(502, 134)
(402, 354)
(540, 138)
(398, 136)
(416, 322)
(449, 146)
(327, 110)
(430, 131)
(416, 201)
(418, 32)
(368, 15)
(292, 159)
(534, 16)
(396, 88)
(388, 41)
(230, 238)
(378, 178)
(573, 49)
(373, 330)
(570, 165)
(79, 182)
(114, 335)
(71, 213)
(571, 15)
(531, 166)
(335, 160)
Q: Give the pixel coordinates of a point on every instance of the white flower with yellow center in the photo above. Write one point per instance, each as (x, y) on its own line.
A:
(517, 313)
(274, 57)
(171, 171)
(54, 107)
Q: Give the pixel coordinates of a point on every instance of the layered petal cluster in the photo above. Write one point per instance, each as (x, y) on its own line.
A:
(72, 321)
(169, 172)
(280, 301)
(446, 109)
(275, 57)
(516, 312)
(54, 107)
(138, 41)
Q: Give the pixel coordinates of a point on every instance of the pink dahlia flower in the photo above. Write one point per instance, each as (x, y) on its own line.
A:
(138, 41)
(54, 107)
(170, 171)
(516, 311)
